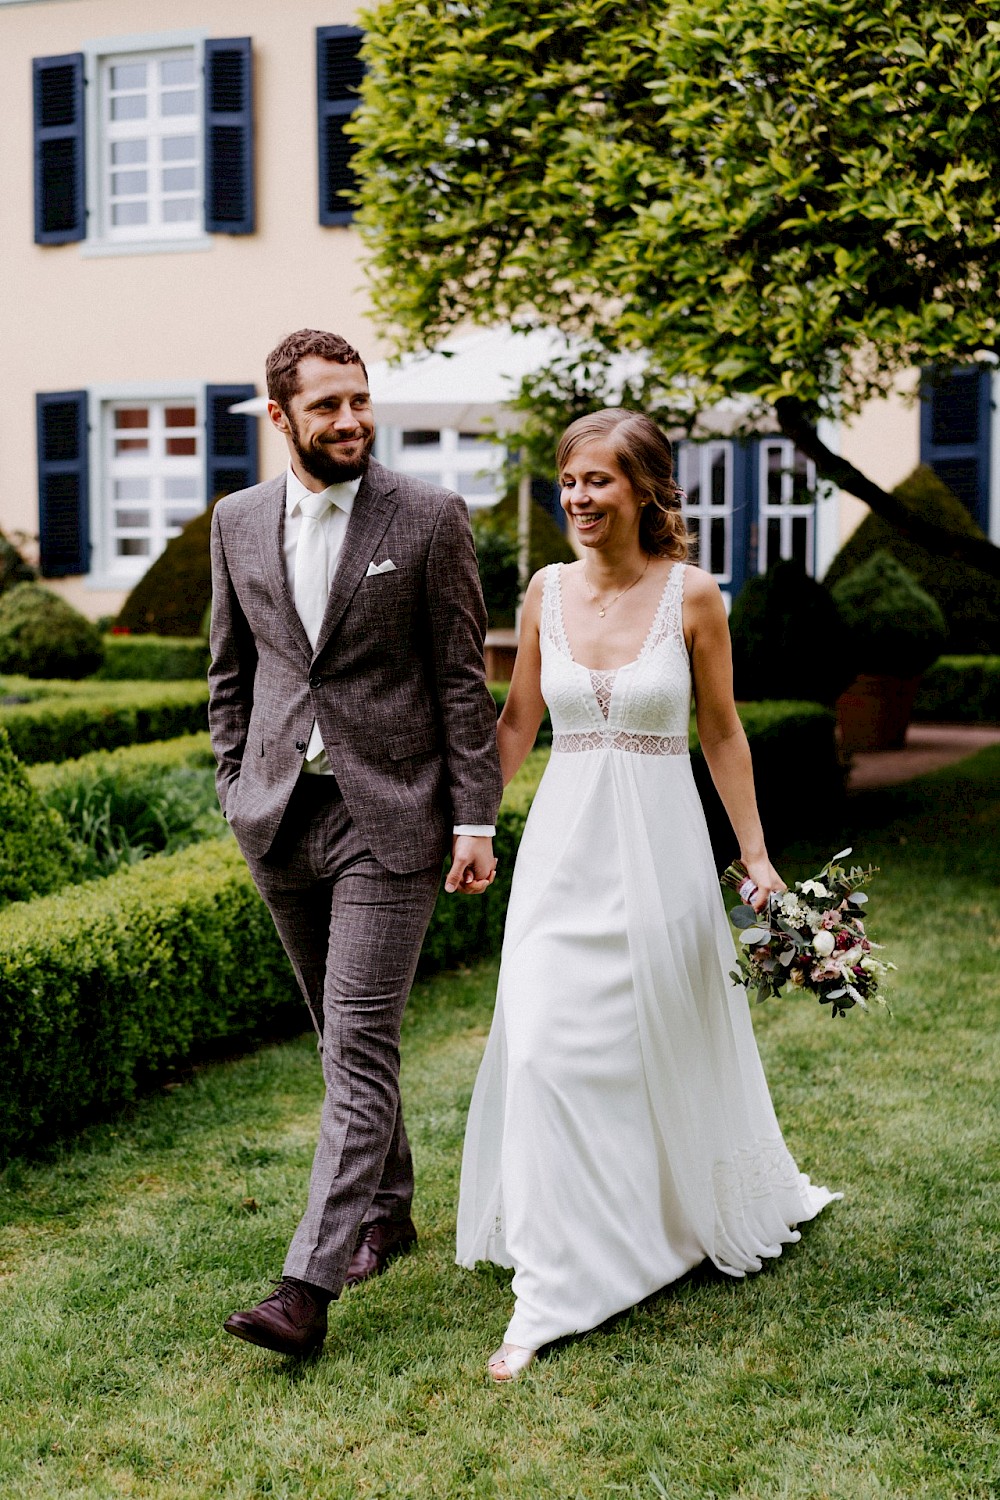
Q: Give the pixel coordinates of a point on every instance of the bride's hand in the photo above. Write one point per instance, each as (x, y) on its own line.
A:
(766, 880)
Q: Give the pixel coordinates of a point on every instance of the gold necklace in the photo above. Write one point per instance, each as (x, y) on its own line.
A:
(602, 609)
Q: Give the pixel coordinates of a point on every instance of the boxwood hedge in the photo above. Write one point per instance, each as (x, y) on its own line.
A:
(960, 690)
(70, 719)
(153, 658)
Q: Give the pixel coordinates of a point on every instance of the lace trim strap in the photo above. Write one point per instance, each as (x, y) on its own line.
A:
(620, 739)
(552, 620)
(668, 622)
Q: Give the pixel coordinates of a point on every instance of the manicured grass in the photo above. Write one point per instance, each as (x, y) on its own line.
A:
(862, 1364)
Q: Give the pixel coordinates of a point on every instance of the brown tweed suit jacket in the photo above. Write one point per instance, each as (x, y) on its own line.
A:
(396, 682)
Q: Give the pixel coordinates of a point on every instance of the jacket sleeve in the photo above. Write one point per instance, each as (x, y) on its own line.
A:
(458, 626)
(231, 674)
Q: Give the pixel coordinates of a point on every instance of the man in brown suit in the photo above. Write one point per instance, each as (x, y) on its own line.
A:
(355, 740)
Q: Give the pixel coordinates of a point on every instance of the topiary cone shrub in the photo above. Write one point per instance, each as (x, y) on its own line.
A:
(43, 636)
(789, 640)
(37, 854)
(968, 599)
(172, 596)
(898, 631)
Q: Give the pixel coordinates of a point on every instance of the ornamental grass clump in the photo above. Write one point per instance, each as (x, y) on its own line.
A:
(896, 628)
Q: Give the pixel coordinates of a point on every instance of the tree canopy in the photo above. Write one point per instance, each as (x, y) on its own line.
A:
(791, 201)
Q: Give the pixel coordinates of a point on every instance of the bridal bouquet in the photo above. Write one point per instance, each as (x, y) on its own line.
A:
(811, 937)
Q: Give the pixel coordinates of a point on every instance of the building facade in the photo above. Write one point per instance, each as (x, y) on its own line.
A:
(173, 202)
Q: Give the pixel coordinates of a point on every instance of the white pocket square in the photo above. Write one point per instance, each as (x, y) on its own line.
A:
(383, 567)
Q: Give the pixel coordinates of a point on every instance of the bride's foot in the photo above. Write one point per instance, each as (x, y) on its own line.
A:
(510, 1361)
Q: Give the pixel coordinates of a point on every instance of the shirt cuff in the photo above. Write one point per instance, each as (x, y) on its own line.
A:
(475, 830)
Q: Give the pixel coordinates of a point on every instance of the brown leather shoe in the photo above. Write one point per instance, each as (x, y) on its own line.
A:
(290, 1321)
(378, 1244)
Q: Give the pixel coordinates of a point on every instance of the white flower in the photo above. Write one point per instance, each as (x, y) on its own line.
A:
(814, 887)
(824, 943)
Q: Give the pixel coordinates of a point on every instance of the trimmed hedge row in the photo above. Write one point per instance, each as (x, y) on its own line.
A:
(71, 719)
(153, 658)
(961, 689)
(129, 762)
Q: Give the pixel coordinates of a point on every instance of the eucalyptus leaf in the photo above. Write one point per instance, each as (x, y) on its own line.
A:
(753, 936)
(743, 916)
(859, 898)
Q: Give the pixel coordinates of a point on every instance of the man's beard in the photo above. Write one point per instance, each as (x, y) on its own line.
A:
(326, 466)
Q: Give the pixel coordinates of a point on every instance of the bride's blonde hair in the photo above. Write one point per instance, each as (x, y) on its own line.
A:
(644, 455)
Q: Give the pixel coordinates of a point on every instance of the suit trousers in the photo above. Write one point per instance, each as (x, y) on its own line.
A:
(353, 931)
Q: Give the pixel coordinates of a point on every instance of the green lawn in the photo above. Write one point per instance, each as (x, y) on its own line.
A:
(862, 1364)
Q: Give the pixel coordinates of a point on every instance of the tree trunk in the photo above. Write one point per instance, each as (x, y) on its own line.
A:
(976, 551)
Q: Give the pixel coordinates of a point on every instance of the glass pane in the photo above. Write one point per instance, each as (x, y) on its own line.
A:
(128, 76)
(180, 210)
(132, 489)
(693, 490)
(801, 494)
(131, 445)
(420, 438)
(128, 182)
(183, 487)
(473, 439)
(179, 515)
(177, 102)
(717, 547)
(773, 541)
(180, 416)
(177, 70)
(178, 147)
(775, 465)
(128, 153)
(129, 107)
(133, 546)
(178, 179)
(182, 447)
(718, 492)
(132, 416)
(135, 520)
(129, 213)
(800, 540)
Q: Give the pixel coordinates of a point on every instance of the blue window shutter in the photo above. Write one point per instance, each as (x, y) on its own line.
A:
(229, 176)
(955, 435)
(339, 71)
(60, 208)
(230, 441)
(63, 483)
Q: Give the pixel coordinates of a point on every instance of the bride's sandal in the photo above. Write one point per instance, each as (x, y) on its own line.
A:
(509, 1361)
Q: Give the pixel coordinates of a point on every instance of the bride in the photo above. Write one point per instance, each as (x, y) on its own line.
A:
(621, 1129)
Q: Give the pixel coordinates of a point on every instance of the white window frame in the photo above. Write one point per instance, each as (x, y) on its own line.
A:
(97, 53)
(784, 512)
(448, 463)
(108, 571)
(700, 514)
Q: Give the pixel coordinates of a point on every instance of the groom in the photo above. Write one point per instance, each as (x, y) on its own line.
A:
(355, 740)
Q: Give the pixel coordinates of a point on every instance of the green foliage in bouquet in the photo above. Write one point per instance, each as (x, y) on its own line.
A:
(172, 596)
(897, 628)
(789, 640)
(969, 599)
(36, 852)
(43, 636)
(810, 938)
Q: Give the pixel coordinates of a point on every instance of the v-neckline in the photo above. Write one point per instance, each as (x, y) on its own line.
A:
(609, 671)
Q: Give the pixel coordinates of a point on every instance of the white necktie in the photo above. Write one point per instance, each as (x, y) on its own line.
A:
(312, 565)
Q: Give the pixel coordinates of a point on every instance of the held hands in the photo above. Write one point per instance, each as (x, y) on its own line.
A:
(767, 882)
(473, 867)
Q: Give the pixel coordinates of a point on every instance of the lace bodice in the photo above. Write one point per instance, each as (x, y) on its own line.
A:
(642, 707)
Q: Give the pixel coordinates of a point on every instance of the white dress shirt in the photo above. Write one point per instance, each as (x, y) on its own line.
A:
(334, 523)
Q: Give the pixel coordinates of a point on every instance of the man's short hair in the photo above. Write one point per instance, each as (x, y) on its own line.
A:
(282, 367)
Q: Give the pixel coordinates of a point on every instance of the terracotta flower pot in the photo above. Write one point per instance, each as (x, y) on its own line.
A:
(874, 711)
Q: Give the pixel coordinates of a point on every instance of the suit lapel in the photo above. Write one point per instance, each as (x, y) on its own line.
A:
(271, 537)
(373, 509)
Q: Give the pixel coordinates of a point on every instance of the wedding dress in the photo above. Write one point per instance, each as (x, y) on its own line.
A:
(621, 1129)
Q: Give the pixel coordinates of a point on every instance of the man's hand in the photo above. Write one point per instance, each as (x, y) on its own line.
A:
(472, 865)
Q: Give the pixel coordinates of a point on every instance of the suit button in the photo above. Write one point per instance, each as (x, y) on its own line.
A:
(315, 682)
(300, 744)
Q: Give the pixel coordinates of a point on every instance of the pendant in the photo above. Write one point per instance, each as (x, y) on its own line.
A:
(600, 610)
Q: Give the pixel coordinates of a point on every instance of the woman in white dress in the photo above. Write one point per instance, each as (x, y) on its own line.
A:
(621, 1129)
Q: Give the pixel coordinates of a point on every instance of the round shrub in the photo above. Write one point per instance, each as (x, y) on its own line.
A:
(789, 640)
(897, 628)
(13, 568)
(968, 598)
(172, 596)
(497, 557)
(36, 852)
(43, 636)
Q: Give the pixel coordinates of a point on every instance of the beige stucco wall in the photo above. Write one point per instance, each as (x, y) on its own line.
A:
(883, 441)
(69, 320)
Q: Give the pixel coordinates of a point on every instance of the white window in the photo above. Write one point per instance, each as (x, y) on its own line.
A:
(150, 147)
(471, 463)
(152, 480)
(787, 512)
(705, 474)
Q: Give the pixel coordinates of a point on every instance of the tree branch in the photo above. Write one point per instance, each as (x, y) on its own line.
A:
(976, 551)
